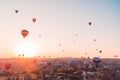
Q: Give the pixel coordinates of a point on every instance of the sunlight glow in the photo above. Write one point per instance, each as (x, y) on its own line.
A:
(26, 48)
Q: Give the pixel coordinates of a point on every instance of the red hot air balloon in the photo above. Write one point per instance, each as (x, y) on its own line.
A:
(7, 66)
(34, 20)
(24, 33)
(16, 11)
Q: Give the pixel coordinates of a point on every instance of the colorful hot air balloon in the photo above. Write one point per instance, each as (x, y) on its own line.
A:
(34, 20)
(16, 11)
(24, 33)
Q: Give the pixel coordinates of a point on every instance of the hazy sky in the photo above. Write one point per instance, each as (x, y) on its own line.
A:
(58, 22)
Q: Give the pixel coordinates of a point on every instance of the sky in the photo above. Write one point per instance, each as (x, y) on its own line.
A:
(61, 28)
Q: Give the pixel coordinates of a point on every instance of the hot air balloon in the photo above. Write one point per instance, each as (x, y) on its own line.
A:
(60, 44)
(115, 56)
(16, 11)
(86, 63)
(34, 20)
(19, 55)
(44, 56)
(63, 50)
(74, 41)
(73, 65)
(86, 53)
(96, 60)
(100, 51)
(7, 66)
(48, 63)
(23, 55)
(94, 39)
(24, 33)
(49, 56)
(89, 23)
(73, 62)
(76, 34)
(40, 35)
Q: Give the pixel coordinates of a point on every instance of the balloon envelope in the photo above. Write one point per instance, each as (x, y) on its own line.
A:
(86, 63)
(7, 66)
(63, 50)
(24, 33)
(100, 51)
(115, 56)
(34, 20)
(89, 23)
(94, 39)
(60, 44)
(40, 35)
(96, 59)
(16, 11)
(48, 63)
(76, 34)
(73, 62)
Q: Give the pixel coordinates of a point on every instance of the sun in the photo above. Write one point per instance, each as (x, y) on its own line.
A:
(27, 48)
